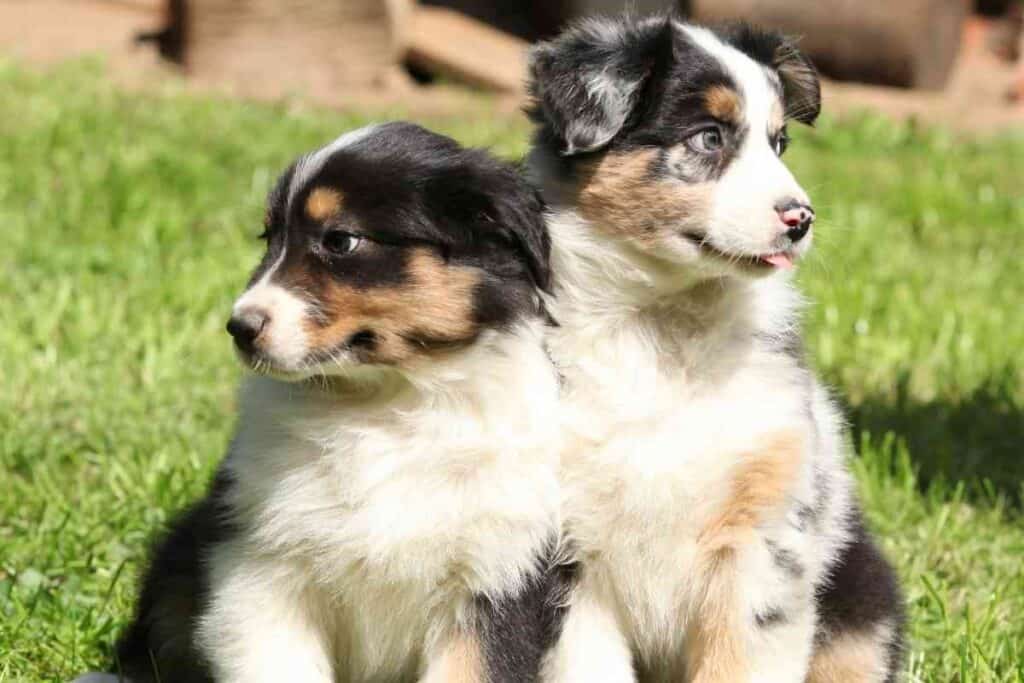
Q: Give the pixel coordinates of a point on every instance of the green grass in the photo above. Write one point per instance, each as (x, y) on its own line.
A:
(128, 226)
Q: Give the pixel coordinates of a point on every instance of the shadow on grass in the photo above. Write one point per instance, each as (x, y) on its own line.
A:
(977, 440)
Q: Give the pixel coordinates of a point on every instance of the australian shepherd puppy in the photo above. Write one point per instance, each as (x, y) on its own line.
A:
(707, 500)
(389, 501)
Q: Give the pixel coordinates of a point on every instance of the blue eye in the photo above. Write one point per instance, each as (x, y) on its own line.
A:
(707, 141)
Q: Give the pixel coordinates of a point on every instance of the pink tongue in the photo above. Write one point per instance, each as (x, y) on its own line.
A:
(780, 260)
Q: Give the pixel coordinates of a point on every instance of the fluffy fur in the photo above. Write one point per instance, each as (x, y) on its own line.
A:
(706, 497)
(389, 504)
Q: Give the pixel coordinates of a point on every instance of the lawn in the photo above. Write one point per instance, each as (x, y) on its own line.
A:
(128, 226)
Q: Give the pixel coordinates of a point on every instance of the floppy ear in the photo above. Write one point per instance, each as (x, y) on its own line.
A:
(585, 83)
(801, 87)
(520, 218)
(500, 206)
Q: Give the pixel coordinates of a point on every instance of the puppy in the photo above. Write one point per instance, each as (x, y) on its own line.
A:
(388, 504)
(707, 500)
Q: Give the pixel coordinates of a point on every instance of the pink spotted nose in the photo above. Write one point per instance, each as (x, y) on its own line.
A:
(796, 216)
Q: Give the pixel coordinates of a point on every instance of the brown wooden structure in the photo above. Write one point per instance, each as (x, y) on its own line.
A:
(281, 46)
(287, 45)
(906, 43)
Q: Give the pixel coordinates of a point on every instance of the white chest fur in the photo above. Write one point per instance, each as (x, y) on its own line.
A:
(400, 507)
(650, 460)
(664, 399)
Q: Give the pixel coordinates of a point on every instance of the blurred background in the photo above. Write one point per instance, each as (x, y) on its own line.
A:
(956, 62)
(138, 140)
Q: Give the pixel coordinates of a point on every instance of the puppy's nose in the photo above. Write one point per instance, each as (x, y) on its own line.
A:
(796, 216)
(245, 326)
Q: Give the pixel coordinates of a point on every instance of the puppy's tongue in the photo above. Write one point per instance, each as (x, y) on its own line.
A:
(780, 260)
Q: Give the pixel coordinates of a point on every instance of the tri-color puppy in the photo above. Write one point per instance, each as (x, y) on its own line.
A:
(708, 503)
(389, 502)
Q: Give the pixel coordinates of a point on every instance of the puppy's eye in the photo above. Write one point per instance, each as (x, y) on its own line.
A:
(707, 141)
(340, 243)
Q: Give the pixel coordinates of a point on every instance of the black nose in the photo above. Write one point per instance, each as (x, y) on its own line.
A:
(245, 326)
(797, 216)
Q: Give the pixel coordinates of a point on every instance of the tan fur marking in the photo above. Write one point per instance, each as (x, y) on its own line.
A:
(724, 104)
(714, 645)
(619, 195)
(323, 203)
(851, 658)
(760, 482)
(460, 662)
(437, 302)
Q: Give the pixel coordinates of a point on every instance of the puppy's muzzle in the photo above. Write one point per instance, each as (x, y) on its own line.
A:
(246, 326)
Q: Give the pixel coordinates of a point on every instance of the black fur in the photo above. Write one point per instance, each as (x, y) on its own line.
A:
(275, 216)
(516, 631)
(404, 185)
(158, 645)
(801, 87)
(862, 591)
(652, 80)
(400, 186)
(620, 56)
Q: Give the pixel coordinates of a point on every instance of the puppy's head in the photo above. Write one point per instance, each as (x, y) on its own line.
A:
(386, 247)
(669, 137)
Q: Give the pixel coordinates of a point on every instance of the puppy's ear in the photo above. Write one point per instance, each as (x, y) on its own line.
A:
(801, 86)
(493, 203)
(585, 83)
(520, 218)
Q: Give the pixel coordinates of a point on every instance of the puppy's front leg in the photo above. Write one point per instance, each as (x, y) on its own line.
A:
(591, 646)
(731, 640)
(263, 622)
(459, 659)
(725, 642)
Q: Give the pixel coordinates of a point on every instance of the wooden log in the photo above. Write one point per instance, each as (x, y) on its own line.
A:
(906, 43)
(448, 42)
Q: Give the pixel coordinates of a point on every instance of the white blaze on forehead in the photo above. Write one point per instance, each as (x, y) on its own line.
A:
(751, 78)
(311, 164)
(743, 216)
(273, 268)
(285, 340)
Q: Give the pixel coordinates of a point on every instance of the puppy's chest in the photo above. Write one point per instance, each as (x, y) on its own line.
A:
(646, 478)
(377, 510)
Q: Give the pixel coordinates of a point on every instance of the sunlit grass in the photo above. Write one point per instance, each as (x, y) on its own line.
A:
(128, 226)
